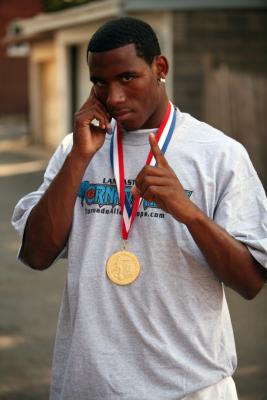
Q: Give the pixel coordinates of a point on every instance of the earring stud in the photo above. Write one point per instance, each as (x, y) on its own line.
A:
(162, 80)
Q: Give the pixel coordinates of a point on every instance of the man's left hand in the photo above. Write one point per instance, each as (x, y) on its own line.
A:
(160, 184)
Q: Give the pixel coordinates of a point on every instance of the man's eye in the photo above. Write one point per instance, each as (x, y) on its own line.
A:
(127, 78)
(99, 84)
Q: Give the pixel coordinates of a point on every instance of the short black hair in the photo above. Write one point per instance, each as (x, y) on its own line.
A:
(123, 31)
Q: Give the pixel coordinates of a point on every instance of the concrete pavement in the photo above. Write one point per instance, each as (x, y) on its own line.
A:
(29, 301)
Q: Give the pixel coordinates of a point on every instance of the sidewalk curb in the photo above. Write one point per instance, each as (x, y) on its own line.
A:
(24, 145)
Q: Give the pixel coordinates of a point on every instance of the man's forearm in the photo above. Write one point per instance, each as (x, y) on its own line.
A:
(229, 259)
(50, 221)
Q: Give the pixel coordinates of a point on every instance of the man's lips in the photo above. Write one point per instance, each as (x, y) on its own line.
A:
(118, 114)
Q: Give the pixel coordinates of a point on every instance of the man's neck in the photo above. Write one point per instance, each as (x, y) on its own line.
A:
(156, 118)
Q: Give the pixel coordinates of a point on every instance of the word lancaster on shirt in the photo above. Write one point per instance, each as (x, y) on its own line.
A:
(103, 198)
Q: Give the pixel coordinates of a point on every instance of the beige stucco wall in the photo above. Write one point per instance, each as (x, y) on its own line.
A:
(44, 94)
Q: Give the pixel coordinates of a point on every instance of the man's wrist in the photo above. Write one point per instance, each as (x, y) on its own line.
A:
(191, 216)
(195, 219)
(80, 159)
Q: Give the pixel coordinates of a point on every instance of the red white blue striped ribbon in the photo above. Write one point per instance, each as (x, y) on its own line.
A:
(163, 137)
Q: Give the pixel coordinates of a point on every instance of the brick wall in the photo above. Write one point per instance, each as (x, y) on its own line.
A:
(221, 74)
(13, 71)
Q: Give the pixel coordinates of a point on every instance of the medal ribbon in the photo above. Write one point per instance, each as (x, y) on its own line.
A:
(163, 137)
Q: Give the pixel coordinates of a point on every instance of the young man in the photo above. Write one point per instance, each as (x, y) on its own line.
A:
(146, 319)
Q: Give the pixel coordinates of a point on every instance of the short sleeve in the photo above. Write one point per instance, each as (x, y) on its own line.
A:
(242, 212)
(25, 205)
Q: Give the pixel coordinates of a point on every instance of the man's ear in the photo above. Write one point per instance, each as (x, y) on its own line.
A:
(161, 66)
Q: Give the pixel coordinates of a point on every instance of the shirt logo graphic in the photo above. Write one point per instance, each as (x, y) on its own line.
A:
(103, 194)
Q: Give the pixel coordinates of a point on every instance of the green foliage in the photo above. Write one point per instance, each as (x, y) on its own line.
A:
(56, 5)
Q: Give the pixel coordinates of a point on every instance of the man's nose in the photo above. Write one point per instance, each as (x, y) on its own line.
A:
(116, 95)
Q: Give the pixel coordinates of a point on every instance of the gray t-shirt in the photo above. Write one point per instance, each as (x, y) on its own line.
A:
(169, 333)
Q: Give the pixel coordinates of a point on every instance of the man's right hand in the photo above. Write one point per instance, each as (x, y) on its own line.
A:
(88, 138)
(50, 221)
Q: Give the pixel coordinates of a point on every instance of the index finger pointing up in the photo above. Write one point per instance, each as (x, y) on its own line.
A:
(159, 157)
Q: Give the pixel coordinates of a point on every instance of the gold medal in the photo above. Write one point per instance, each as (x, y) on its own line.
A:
(123, 267)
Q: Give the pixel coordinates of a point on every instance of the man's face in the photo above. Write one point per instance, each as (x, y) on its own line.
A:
(127, 86)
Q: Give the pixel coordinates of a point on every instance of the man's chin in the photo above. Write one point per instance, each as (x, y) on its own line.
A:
(127, 121)
(130, 126)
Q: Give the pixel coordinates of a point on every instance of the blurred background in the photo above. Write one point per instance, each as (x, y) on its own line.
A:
(217, 51)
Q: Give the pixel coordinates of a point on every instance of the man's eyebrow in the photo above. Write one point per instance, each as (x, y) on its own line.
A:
(95, 79)
(128, 72)
(120, 75)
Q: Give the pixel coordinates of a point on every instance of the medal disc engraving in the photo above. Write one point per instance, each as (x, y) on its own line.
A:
(123, 267)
